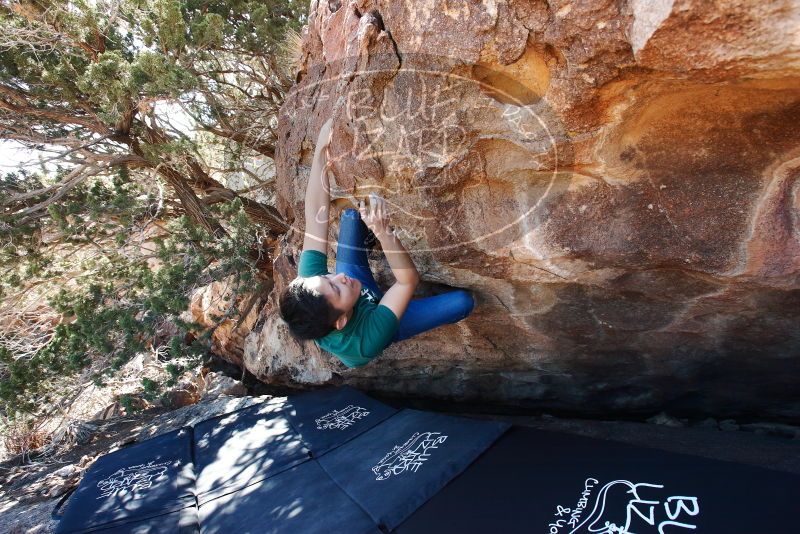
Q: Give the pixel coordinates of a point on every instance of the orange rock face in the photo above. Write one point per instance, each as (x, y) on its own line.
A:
(616, 181)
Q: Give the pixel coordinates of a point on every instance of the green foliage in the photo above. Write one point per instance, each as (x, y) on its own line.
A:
(107, 81)
(125, 306)
(92, 73)
(150, 48)
(126, 402)
(150, 389)
(170, 25)
(155, 74)
(209, 30)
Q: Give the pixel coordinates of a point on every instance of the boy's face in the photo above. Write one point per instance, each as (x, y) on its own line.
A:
(340, 290)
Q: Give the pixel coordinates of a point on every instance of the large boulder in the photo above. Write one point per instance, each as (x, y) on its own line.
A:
(616, 181)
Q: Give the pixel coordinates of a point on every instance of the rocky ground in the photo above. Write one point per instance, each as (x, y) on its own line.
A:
(29, 492)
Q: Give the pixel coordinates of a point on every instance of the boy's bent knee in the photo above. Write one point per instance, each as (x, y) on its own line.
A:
(463, 301)
(350, 213)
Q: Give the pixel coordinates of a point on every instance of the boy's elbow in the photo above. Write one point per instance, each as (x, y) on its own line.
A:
(413, 278)
(407, 276)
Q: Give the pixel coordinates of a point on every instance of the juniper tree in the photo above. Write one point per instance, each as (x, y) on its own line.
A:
(93, 86)
(87, 270)
(84, 81)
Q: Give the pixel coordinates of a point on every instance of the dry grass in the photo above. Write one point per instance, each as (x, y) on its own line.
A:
(290, 54)
(21, 437)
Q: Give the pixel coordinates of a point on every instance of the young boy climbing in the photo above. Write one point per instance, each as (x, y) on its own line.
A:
(346, 313)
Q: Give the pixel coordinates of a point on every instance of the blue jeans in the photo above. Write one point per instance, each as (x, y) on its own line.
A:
(422, 314)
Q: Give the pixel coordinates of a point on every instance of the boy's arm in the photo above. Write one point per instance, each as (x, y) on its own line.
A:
(399, 295)
(318, 195)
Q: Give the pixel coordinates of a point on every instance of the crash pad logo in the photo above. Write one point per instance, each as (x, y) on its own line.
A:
(341, 419)
(409, 456)
(133, 478)
(624, 507)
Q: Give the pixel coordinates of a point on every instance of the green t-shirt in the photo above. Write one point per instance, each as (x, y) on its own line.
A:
(368, 331)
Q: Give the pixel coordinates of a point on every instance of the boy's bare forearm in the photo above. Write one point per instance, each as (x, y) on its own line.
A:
(377, 220)
(400, 261)
(317, 199)
(317, 190)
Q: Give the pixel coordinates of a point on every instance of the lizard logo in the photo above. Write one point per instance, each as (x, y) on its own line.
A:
(409, 456)
(133, 478)
(341, 419)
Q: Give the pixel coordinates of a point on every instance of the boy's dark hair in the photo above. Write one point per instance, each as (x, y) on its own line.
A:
(308, 314)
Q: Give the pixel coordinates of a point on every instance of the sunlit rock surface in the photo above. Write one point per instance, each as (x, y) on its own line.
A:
(616, 181)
